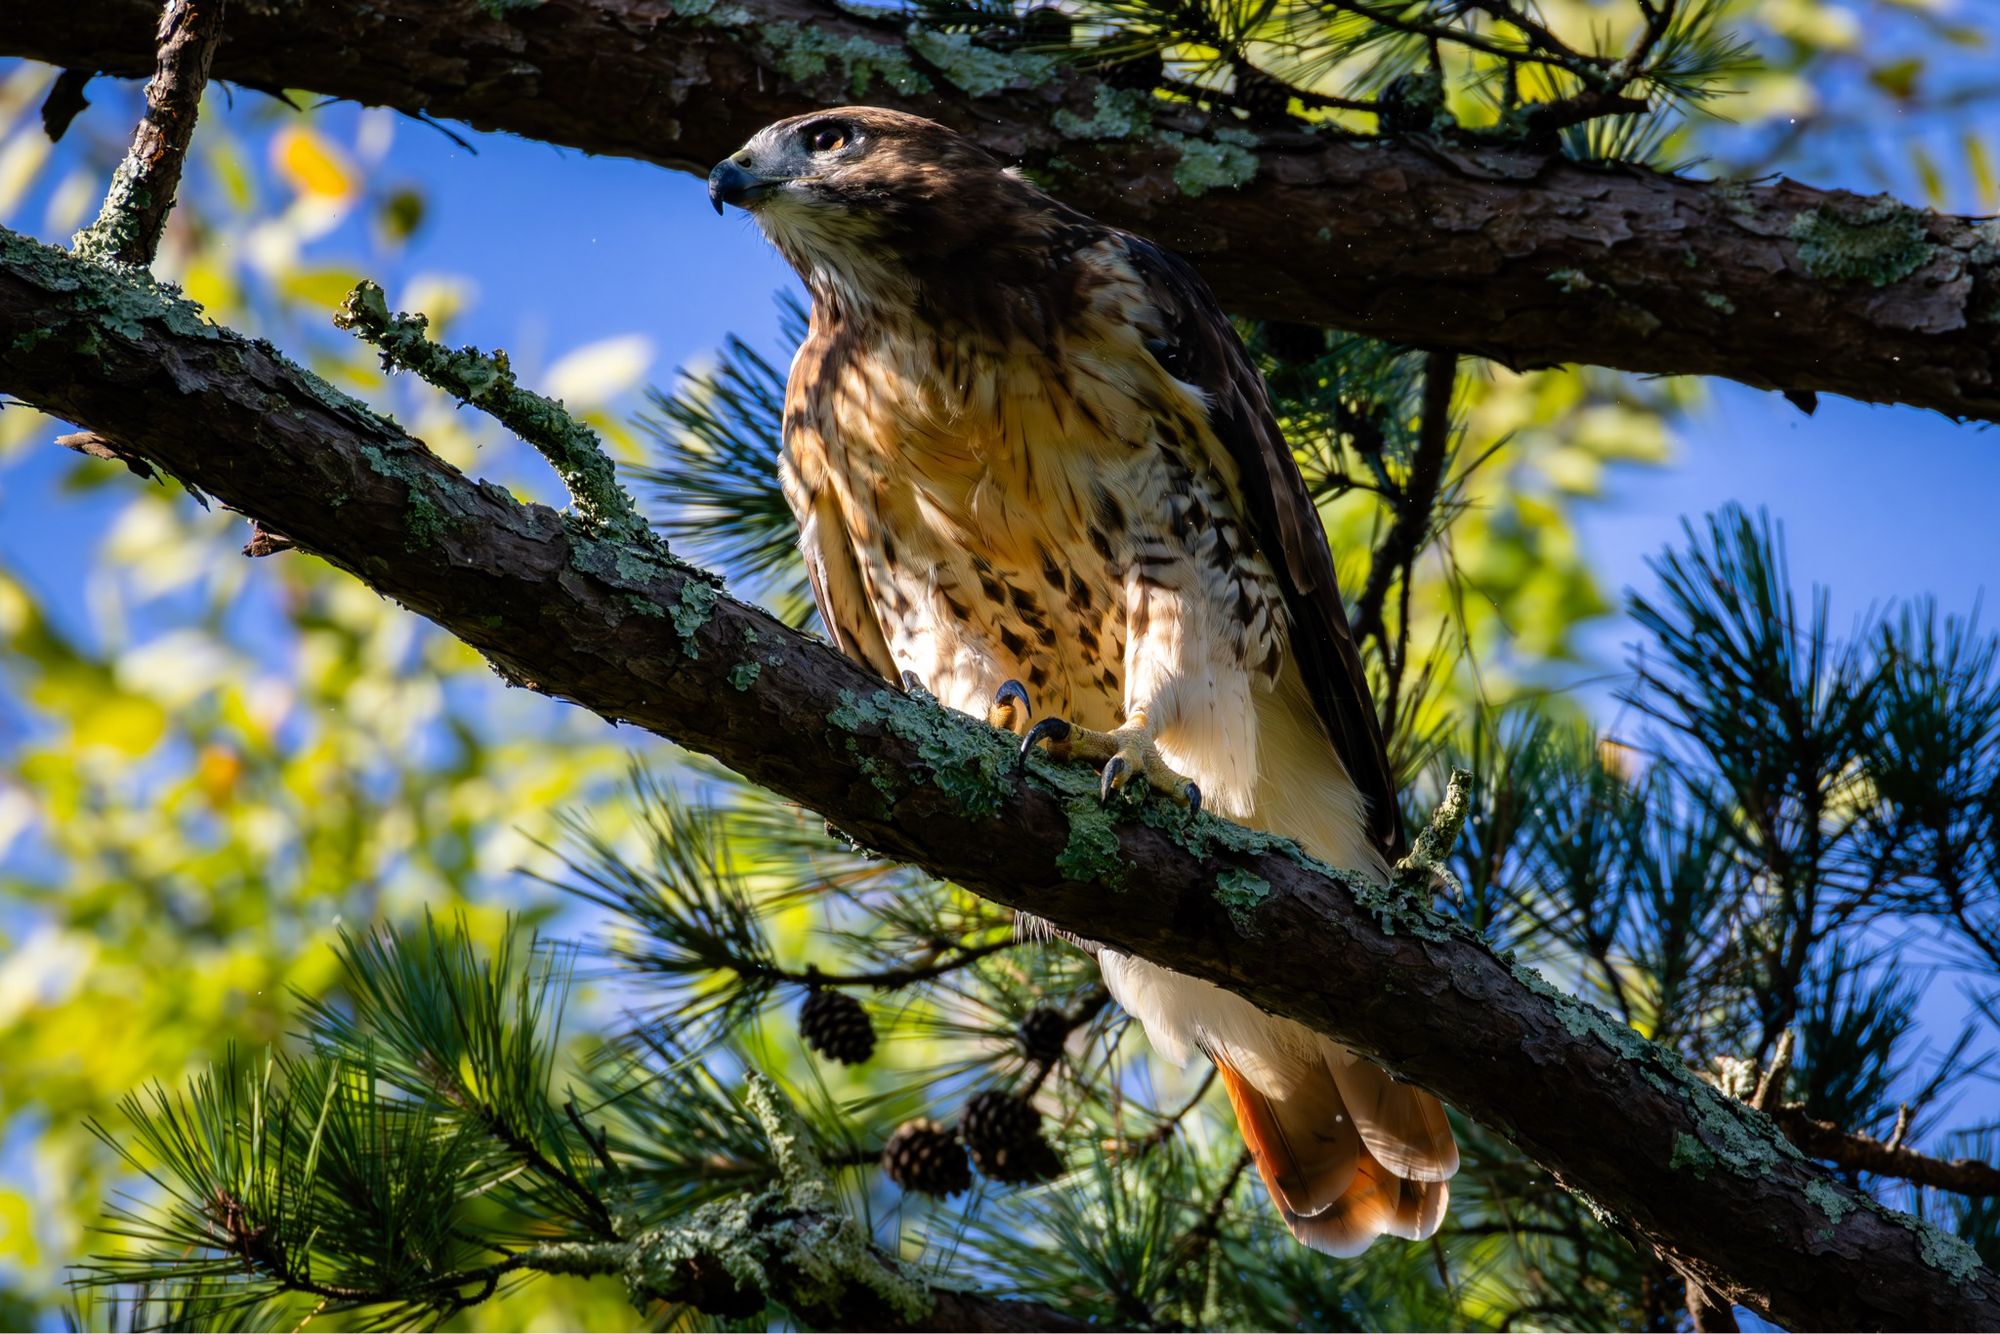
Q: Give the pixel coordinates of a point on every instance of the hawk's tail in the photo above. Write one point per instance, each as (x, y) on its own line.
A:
(1349, 1155)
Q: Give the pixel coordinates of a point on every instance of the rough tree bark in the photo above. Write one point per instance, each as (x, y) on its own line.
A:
(1482, 248)
(623, 629)
(142, 193)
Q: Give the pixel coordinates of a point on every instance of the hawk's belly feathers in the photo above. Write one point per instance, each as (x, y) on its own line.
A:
(1066, 521)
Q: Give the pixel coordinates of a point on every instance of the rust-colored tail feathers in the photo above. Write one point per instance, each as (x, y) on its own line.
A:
(1349, 1155)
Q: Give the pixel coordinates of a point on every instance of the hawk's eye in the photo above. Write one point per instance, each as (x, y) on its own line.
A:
(828, 138)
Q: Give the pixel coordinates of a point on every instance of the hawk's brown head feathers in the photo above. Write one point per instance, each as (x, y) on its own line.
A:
(884, 209)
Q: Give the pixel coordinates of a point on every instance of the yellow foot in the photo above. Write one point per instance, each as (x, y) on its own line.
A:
(1125, 753)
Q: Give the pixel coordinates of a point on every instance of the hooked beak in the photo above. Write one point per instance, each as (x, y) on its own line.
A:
(732, 183)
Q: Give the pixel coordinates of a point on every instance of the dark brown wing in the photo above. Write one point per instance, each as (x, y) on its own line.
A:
(1202, 349)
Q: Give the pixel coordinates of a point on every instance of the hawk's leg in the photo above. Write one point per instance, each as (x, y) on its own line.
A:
(1126, 753)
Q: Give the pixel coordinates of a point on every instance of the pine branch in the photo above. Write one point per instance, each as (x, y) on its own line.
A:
(1854, 1152)
(259, 1182)
(1565, 262)
(638, 637)
(793, 1246)
(142, 192)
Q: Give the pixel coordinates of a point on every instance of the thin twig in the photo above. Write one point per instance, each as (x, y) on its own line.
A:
(135, 209)
(1895, 1140)
(1772, 1085)
(1414, 505)
(1161, 1133)
(959, 957)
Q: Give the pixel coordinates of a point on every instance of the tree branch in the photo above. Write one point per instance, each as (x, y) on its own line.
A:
(142, 192)
(1498, 251)
(1854, 1152)
(639, 637)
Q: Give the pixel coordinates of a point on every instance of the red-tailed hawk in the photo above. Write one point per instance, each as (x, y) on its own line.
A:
(1027, 450)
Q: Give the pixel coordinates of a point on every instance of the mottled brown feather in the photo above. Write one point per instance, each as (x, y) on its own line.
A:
(1284, 523)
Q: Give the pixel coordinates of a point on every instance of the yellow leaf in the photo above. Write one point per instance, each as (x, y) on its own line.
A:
(322, 289)
(312, 165)
(17, 1230)
(21, 160)
(210, 283)
(232, 173)
(1928, 173)
(123, 723)
(1979, 162)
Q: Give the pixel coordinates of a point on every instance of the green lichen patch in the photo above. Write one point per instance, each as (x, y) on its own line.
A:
(712, 13)
(1881, 244)
(1210, 164)
(114, 297)
(1828, 1200)
(979, 70)
(691, 611)
(1572, 281)
(425, 523)
(1091, 855)
(744, 674)
(500, 9)
(1691, 1155)
(1717, 301)
(969, 764)
(1241, 892)
(1116, 113)
(802, 53)
(1941, 1251)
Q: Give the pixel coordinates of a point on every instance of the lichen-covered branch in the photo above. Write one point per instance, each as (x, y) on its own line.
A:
(1501, 251)
(142, 190)
(1864, 1153)
(628, 632)
(487, 382)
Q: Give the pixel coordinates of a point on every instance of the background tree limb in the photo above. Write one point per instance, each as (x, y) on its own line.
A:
(1503, 252)
(142, 193)
(636, 636)
(1856, 1152)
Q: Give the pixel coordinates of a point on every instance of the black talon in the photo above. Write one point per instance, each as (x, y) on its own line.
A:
(1015, 691)
(1193, 794)
(1048, 729)
(1113, 767)
(914, 684)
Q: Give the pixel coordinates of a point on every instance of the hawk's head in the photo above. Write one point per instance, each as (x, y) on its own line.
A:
(872, 203)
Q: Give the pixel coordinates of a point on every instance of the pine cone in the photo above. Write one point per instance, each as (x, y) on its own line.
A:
(1004, 1134)
(833, 1024)
(925, 1157)
(1042, 1034)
